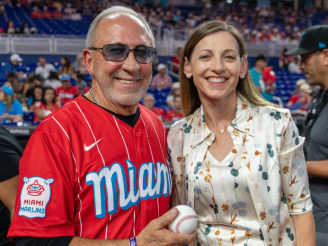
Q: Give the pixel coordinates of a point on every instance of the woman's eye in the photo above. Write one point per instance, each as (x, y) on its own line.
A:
(230, 58)
(205, 57)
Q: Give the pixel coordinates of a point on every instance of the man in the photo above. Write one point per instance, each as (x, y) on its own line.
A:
(10, 154)
(13, 65)
(161, 80)
(16, 84)
(176, 113)
(256, 74)
(293, 67)
(44, 68)
(67, 91)
(149, 102)
(102, 139)
(313, 48)
(80, 83)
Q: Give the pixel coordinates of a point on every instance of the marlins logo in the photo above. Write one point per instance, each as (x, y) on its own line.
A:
(35, 196)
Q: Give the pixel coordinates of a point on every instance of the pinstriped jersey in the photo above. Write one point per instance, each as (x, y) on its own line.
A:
(86, 173)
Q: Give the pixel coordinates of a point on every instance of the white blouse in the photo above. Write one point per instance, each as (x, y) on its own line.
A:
(267, 153)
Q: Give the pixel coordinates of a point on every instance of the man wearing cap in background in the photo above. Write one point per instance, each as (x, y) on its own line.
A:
(161, 80)
(293, 66)
(257, 75)
(313, 48)
(67, 91)
(149, 101)
(13, 65)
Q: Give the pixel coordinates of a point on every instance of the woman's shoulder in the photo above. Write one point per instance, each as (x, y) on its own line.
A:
(273, 113)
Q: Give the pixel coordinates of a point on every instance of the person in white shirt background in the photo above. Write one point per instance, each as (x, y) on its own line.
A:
(44, 68)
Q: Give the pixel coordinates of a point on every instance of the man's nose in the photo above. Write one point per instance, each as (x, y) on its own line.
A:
(130, 63)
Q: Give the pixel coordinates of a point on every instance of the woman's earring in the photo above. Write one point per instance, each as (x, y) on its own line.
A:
(242, 76)
(188, 75)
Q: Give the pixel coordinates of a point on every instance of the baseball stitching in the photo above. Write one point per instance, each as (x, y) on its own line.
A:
(184, 218)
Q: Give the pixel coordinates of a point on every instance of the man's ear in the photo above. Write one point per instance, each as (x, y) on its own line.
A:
(325, 57)
(87, 58)
(187, 67)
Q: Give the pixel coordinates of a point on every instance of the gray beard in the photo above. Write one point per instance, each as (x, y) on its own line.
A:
(123, 97)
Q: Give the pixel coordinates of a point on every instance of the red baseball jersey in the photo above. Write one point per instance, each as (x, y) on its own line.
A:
(45, 109)
(86, 173)
(173, 115)
(67, 95)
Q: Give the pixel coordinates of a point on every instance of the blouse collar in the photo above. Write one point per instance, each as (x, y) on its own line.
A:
(242, 122)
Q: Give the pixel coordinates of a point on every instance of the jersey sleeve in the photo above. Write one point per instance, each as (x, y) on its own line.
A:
(45, 196)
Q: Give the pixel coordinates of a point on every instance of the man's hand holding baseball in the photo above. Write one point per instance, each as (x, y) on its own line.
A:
(155, 234)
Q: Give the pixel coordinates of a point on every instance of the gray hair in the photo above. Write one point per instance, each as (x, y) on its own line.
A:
(91, 36)
(149, 95)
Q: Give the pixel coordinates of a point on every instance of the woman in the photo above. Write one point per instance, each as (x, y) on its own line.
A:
(79, 65)
(9, 109)
(243, 171)
(36, 96)
(67, 67)
(10, 29)
(49, 103)
(53, 80)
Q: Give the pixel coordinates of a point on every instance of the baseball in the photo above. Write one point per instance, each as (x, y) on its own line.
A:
(186, 222)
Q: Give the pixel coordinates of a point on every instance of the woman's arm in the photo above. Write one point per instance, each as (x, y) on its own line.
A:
(39, 113)
(304, 229)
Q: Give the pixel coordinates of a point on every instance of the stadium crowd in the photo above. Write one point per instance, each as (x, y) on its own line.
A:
(279, 25)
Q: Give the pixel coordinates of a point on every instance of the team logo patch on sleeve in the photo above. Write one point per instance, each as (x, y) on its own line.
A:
(35, 195)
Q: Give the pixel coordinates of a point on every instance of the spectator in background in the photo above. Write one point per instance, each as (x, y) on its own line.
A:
(10, 29)
(257, 76)
(53, 80)
(57, 14)
(80, 83)
(45, 13)
(275, 36)
(176, 113)
(9, 109)
(67, 91)
(13, 65)
(10, 154)
(161, 80)
(149, 101)
(79, 65)
(16, 84)
(66, 67)
(89, 80)
(36, 14)
(37, 80)
(175, 90)
(48, 104)
(36, 96)
(24, 29)
(3, 11)
(44, 68)
(176, 59)
(302, 100)
(293, 66)
(284, 59)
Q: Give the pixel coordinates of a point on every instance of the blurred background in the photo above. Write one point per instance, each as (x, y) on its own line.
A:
(41, 44)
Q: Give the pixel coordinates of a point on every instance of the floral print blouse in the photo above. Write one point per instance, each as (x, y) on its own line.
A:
(268, 153)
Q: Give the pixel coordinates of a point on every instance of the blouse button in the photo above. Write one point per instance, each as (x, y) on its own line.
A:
(141, 150)
(253, 183)
(265, 227)
(259, 205)
(149, 208)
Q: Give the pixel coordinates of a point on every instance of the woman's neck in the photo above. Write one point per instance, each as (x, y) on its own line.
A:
(49, 104)
(220, 113)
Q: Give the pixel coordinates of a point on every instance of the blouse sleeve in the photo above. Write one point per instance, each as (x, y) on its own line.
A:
(175, 140)
(295, 185)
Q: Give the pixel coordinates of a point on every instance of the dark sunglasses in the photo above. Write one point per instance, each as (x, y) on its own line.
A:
(119, 52)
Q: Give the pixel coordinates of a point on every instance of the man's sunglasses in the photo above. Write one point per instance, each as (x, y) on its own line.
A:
(119, 52)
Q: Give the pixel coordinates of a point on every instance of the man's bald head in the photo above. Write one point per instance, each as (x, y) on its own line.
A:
(118, 10)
